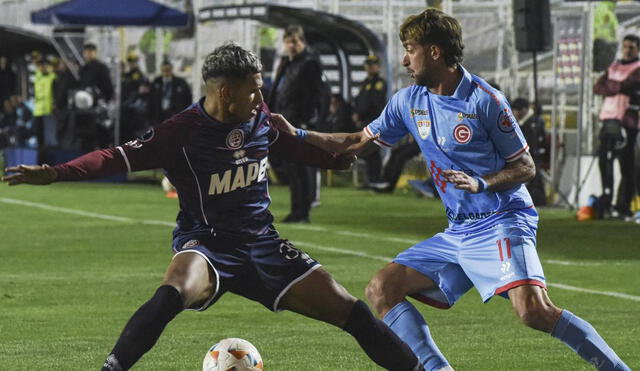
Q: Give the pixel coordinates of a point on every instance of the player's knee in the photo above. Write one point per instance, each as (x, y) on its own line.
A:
(192, 292)
(197, 295)
(380, 293)
(538, 317)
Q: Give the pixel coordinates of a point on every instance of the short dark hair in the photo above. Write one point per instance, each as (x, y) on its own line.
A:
(437, 27)
(520, 103)
(230, 60)
(294, 30)
(90, 46)
(633, 38)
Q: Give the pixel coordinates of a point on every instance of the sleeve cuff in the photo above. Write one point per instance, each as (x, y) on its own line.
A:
(377, 141)
(517, 155)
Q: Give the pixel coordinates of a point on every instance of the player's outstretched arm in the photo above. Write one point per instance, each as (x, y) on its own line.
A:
(30, 174)
(93, 165)
(349, 143)
(291, 149)
(514, 173)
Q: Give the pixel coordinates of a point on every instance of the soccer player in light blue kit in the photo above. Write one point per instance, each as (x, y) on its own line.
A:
(479, 162)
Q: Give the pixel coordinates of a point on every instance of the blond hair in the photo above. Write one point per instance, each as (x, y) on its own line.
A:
(433, 26)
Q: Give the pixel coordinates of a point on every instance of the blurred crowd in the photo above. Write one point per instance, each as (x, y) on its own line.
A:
(61, 111)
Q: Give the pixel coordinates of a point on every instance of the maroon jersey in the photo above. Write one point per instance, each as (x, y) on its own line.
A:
(218, 169)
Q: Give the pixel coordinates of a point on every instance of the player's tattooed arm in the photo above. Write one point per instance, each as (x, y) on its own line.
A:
(514, 173)
(349, 143)
(291, 149)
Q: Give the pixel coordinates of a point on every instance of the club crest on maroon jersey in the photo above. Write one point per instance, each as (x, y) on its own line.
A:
(235, 139)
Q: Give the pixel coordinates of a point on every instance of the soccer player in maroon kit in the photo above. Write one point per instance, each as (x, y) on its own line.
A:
(215, 154)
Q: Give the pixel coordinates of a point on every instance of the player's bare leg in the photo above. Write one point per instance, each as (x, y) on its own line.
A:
(320, 297)
(387, 292)
(535, 309)
(188, 281)
(392, 284)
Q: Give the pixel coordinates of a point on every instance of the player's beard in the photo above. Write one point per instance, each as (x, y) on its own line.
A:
(421, 78)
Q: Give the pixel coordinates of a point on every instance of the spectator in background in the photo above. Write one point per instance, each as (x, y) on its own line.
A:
(620, 85)
(62, 86)
(15, 119)
(532, 126)
(132, 78)
(297, 93)
(399, 156)
(44, 120)
(95, 74)
(368, 105)
(134, 100)
(340, 116)
(170, 94)
(7, 79)
(32, 68)
(23, 115)
(89, 122)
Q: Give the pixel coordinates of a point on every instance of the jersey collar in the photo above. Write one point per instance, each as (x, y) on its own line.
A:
(462, 90)
(464, 87)
(204, 113)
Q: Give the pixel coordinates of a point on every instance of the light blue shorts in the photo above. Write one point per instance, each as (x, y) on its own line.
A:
(494, 260)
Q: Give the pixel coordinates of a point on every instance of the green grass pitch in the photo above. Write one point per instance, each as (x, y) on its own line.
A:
(69, 282)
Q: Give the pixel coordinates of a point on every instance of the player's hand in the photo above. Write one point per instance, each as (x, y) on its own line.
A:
(461, 180)
(344, 161)
(356, 142)
(279, 122)
(30, 174)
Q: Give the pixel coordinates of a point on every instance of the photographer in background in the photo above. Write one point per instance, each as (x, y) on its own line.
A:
(620, 86)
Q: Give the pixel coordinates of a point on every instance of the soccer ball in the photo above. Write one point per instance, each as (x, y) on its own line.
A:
(232, 354)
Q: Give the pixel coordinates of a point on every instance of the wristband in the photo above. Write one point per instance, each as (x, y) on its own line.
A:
(301, 134)
(482, 184)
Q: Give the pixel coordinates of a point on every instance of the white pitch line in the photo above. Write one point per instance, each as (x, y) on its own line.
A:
(66, 210)
(606, 293)
(304, 244)
(85, 213)
(385, 259)
(352, 234)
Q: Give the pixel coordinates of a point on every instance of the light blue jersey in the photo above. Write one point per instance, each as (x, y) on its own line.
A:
(490, 242)
(473, 131)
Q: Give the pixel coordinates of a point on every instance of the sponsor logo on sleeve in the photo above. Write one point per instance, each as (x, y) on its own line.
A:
(462, 133)
(144, 138)
(147, 136)
(506, 121)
